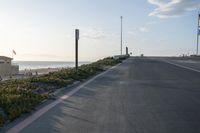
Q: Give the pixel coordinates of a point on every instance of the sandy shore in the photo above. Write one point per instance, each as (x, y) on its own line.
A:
(32, 72)
(38, 71)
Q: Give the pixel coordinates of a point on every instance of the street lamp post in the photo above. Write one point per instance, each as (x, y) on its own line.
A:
(121, 33)
(198, 32)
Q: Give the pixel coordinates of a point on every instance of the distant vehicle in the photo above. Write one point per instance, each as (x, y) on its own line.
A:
(142, 55)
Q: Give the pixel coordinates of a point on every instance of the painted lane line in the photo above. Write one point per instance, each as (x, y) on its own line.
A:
(20, 126)
(189, 68)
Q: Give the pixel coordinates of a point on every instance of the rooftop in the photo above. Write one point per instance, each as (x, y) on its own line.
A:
(5, 58)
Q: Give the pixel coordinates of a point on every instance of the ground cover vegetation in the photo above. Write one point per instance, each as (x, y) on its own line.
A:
(18, 96)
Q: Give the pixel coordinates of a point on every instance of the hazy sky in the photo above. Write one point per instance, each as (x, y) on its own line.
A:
(44, 29)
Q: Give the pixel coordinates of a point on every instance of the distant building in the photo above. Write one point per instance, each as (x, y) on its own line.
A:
(7, 68)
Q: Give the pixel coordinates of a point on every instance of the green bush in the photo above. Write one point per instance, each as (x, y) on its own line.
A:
(2, 119)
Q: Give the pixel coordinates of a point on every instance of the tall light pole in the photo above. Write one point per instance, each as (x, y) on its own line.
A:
(198, 33)
(121, 32)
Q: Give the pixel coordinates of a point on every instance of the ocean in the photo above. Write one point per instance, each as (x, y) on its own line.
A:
(44, 64)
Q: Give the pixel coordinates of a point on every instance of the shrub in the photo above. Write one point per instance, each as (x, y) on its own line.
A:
(2, 119)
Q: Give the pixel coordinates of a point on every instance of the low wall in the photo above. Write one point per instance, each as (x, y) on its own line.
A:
(121, 56)
(8, 70)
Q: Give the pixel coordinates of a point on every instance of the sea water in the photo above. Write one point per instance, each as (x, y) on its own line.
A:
(44, 64)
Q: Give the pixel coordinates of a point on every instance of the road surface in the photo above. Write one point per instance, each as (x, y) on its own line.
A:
(141, 95)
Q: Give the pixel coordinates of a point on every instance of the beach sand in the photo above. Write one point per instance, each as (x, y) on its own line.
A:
(38, 71)
(32, 72)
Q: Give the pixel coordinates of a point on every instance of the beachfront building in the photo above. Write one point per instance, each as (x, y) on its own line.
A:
(7, 68)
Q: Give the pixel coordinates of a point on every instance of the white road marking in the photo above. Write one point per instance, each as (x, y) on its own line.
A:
(189, 68)
(20, 126)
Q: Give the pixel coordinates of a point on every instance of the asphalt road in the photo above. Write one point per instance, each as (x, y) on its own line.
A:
(141, 95)
(192, 63)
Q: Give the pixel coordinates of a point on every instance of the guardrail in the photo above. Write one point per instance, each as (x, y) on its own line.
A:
(121, 56)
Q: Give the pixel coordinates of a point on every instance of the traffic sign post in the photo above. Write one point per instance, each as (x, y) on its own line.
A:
(76, 48)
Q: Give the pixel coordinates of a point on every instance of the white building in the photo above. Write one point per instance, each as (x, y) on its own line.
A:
(7, 68)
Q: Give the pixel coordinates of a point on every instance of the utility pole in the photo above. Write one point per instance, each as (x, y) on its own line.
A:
(198, 32)
(121, 32)
(76, 48)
